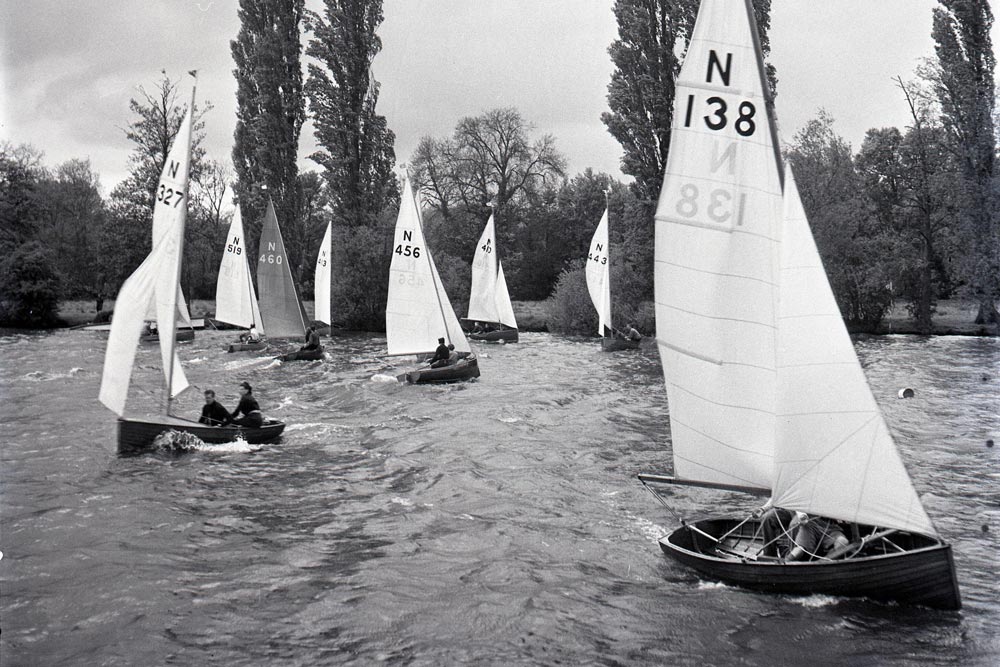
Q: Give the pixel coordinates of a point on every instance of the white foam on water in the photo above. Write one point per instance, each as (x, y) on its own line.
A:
(712, 586)
(509, 420)
(196, 360)
(815, 601)
(401, 501)
(275, 363)
(239, 446)
(383, 378)
(245, 362)
(647, 528)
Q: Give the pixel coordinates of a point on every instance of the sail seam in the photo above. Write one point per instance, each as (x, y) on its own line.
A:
(767, 283)
(723, 405)
(748, 482)
(715, 317)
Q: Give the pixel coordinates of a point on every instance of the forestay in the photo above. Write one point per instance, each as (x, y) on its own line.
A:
(322, 279)
(482, 297)
(834, 454)
(717, 225)
(279, 302)
(418, 311)
(599, 274)
(235, 296)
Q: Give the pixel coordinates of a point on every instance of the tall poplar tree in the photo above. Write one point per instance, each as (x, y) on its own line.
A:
(356, 145)
(965, 89)
(643, 85)
(270, 111)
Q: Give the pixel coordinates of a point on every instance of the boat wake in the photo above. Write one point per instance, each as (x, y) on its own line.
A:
(39, 376)
(178, 442)
(815, 601)
(384, 379)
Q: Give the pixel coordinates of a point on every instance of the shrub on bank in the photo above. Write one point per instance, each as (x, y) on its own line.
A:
(570, 310)
(30, 296)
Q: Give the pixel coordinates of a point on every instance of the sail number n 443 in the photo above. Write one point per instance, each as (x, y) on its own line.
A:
(719, 115)
(407, 250)
(596, 257)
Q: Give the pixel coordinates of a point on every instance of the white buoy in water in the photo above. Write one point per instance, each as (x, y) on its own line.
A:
(906, 392)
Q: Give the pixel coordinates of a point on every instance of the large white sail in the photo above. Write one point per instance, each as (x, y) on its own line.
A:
(599, 274)
(321, 285)
(482, 297)
(505, 309)
(834, 454)
(416, 312)
(131, 304)
(235, 297)
(279, 301)
(717, 230)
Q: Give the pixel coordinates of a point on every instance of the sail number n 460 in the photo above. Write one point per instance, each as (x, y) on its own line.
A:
(719, 115)
(271, 259)
(407, 250)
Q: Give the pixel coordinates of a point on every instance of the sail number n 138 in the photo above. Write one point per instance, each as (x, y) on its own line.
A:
(719, 204)
(719, 115)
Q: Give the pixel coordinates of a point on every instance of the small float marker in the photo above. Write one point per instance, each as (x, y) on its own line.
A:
(989, 443)
(906, 392)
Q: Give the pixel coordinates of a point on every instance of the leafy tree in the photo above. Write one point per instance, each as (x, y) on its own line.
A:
(30, 286)
(963, 81)
(21, 173)
(651, 34)
(270, 110)
(356, 152)
(852, 244)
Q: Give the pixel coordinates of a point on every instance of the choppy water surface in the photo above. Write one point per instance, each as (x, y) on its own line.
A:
(492, 522)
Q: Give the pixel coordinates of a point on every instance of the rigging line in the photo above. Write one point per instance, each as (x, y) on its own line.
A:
(659, 498)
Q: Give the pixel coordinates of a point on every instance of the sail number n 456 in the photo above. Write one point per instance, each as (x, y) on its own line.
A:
(719, 115)
(407, 250)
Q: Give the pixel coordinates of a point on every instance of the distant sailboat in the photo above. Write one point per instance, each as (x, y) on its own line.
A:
(599, 285)
(235, 296)
(418, 311)
(280, 307)
(321, 285)
(489, 300)
(765, 391)
(156, 285)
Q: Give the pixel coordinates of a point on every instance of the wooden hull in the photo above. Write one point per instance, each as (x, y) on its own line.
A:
(923, 574)
(616, 344)
(505, 335)
(465, 369)
(247, 347)
(182, 336)
(303, 355)
(136, 435)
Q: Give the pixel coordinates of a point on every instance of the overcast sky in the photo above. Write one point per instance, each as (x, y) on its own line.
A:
(70, 66)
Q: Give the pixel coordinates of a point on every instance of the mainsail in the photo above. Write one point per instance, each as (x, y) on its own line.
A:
(482, 297)
(417, 311)
(505, 309)
(279, 302)
(717, 229)
(235, 297)
(155, 285)
(599, 274)
(322, 282)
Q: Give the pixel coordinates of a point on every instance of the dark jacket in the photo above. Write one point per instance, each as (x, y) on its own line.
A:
(247, 405)
(312, 341)
(441, 353)
(214, 414)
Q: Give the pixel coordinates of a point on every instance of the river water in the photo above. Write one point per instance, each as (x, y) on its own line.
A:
(491, 522)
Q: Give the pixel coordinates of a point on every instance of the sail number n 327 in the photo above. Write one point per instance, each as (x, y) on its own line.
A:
(407, 250)
(169, 196)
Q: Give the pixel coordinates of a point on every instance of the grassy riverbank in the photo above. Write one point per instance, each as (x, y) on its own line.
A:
(952, 317)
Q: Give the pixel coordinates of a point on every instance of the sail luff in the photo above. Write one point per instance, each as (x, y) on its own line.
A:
(834, 454)
(322, 278)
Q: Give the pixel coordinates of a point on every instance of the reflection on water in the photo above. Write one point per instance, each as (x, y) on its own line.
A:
(497, 521)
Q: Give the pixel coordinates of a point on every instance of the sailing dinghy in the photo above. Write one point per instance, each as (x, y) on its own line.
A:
(599, 285)
(417, 310)
(156, 285)
(280, 308)
(766, 393)
(235, 296)
(321, 282)
(491, 314)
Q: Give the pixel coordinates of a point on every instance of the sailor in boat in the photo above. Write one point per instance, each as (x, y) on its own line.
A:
(252, 336)
(805, 537)
(631, 333)
(312, 340)
(441, 355)
(212, 413)
(252, 417)
(452, 354)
